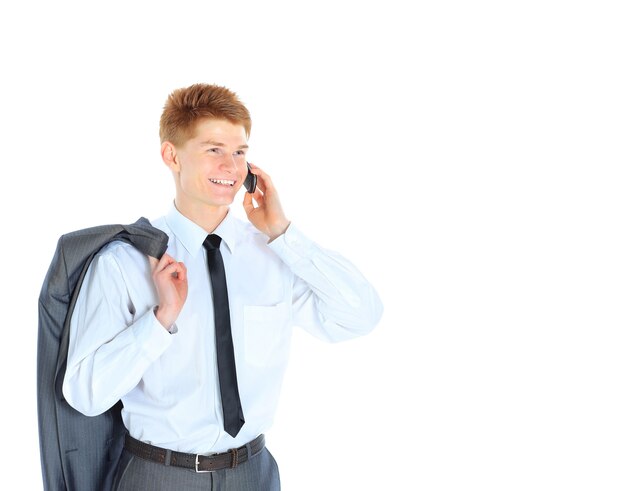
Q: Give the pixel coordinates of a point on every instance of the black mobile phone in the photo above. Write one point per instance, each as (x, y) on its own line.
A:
(250, 182)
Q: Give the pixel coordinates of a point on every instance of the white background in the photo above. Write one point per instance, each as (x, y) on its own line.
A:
(467, 156)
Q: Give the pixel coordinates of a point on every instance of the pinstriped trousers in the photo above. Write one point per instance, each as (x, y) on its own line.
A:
(260, 473)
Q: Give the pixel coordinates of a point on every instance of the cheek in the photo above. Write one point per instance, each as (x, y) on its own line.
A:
(191, 176)
(242, 169)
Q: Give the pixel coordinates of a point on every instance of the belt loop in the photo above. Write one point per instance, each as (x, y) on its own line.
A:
(168, 457)
(234, 458)
(249, 449)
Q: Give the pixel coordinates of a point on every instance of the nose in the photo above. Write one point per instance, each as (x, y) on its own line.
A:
(229, 163)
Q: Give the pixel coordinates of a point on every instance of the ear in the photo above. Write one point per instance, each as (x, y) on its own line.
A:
(168, 154)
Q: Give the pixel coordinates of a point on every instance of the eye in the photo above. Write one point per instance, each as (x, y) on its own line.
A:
(240, 153)
(213, 150)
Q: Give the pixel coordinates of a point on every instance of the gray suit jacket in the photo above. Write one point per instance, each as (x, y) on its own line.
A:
(78, 453)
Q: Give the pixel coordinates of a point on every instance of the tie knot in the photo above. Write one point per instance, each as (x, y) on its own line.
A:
(212, 242)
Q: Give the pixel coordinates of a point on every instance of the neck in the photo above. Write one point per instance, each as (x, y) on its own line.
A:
(206, 216)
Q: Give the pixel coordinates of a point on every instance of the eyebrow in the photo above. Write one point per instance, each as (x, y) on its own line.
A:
(218, 144)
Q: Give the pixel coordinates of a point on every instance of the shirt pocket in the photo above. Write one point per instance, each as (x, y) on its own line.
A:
(266, 334)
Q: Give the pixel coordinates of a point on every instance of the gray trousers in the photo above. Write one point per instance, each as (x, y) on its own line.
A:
(260, 473)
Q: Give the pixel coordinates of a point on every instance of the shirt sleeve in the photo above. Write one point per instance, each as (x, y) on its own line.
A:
(110, 346)
(331, 298)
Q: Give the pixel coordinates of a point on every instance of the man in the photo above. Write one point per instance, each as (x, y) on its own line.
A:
(197, 364)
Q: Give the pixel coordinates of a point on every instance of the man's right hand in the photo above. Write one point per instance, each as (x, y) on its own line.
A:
(170, 279)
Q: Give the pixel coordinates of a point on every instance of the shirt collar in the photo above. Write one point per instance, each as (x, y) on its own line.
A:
(192, 235)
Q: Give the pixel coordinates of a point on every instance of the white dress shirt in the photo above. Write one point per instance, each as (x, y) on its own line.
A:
(168, 382)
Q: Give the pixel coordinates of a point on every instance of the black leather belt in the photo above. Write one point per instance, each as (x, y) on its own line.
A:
(199, 463)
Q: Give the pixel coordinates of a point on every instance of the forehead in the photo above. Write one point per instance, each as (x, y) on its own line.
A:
(219, 131)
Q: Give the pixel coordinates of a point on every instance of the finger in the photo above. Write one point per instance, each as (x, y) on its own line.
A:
(159, 262)
(172, 269)
(165, 260)
(248, 204)
(182, 272)
(261, 185)
(268, 187)
(264, 181)
(259, 172)
(258, 197)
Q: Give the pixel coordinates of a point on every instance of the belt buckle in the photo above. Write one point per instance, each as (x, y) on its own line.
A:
(197, 463)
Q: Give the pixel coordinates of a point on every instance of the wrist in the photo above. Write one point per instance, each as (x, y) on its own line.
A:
(165, 317)
(278, 229)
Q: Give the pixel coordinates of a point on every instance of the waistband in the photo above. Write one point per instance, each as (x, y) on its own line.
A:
(200, 463)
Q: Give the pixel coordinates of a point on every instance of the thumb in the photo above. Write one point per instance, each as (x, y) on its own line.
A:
(248, 205)
(153, 262)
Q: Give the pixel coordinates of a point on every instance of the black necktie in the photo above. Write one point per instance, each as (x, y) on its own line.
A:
(227, 372)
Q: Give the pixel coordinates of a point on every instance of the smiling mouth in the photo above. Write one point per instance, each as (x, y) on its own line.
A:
(223, 182)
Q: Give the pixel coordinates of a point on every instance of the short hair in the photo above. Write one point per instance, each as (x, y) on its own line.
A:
(186, 106)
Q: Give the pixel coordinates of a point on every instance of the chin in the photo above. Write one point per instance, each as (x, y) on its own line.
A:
(222, 202)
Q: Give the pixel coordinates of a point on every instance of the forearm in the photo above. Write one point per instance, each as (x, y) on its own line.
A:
(331, 296)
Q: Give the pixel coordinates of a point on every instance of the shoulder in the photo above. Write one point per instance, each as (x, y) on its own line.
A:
(120, 258)
(121, 253)
(119, 250)
(161, 224)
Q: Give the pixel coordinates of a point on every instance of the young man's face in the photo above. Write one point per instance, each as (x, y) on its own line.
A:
(211, 166)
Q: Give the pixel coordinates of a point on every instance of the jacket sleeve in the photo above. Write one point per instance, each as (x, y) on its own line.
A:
(331, 299)
(110, 346)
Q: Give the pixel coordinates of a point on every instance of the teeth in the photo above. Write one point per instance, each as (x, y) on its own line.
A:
(226, 182)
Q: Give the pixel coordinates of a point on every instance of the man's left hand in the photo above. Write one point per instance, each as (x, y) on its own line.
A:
(268, 215)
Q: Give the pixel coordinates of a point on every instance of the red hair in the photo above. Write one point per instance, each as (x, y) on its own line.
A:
(186, 106)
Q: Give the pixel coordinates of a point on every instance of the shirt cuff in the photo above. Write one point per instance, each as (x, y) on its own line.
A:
(173, 329)
(292, 246)
(152, 338)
